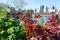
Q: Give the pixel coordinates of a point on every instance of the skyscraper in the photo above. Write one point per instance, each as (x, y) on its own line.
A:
(35, 10)
(46, 9)
(42, 8)
(56, 10)
(53, 7)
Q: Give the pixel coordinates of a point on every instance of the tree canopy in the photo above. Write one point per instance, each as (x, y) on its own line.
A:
(19, 3)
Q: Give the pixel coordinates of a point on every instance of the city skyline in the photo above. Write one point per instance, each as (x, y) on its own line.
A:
(32, 4)
(35, 4)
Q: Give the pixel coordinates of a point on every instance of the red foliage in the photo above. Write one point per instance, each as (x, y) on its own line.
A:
(24, 19)
(52, 12)
(37, 16)
(27, 28)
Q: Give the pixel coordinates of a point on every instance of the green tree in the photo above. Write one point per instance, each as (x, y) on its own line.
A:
(3, 11)
(10, 28)
(19, 3)
(26, 12)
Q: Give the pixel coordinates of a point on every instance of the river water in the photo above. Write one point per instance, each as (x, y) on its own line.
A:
(42, 19)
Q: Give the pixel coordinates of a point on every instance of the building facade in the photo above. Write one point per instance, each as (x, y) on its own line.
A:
(42, 8)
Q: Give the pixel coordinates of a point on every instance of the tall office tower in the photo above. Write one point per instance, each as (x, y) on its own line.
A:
(53, 7)
(46, 9)
(56, 10)
(35, 10)
(42, 8)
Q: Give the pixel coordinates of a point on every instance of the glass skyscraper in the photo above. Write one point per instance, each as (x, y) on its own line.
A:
(42, 8)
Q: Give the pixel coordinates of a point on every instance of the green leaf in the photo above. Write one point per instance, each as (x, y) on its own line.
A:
(10, 30)
(12, 36)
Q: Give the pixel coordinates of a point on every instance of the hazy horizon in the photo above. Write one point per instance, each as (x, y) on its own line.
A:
(35, 4)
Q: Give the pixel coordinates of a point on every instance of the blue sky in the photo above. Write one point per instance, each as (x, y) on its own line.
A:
(32, 4)
(37, 3)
